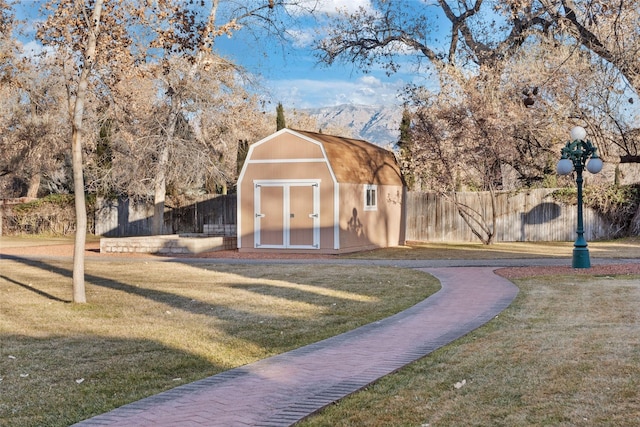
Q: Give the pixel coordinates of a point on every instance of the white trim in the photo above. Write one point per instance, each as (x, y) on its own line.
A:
(336, 216)
(286, 184)
(280, 182)
(238, 216)
(325, 159)
(367, 206)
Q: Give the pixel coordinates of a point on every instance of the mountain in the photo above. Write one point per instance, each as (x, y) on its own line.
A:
(377, 124)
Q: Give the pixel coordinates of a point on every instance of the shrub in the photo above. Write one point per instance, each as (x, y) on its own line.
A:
(618, 204)
(50, 215)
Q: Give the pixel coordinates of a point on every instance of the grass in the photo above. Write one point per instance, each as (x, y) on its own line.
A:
(566, 353)
(622, 248)
(150, 326)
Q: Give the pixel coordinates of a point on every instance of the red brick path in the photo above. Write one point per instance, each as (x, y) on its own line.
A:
(283, 389)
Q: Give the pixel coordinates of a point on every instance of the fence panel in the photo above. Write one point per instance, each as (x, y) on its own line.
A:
(525, 216)
(119, 218)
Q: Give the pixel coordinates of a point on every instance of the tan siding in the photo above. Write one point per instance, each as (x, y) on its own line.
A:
(287, 146)
(368, 229)
(287, 171)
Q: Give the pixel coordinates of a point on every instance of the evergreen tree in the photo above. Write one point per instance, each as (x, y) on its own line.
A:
(280, 123)
(406, 150)
(243, 150)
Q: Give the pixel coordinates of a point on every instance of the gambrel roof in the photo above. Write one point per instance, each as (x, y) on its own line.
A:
(356, 161)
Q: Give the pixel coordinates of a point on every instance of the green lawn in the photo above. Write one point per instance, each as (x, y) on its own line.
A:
(150, 326)
(565, 353)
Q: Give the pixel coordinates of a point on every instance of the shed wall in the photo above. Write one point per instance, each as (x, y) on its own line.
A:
(287, 147)
(366, 229)
(286, 158)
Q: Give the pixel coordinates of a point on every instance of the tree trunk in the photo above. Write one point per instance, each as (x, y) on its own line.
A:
(160, 193)
(79, 294)
(160, 190)
(34, 185)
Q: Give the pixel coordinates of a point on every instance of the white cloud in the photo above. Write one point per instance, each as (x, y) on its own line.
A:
(301, 38)
(333, 6)
(370, 81)
(336, 6)
(308, 93)
(33, 49)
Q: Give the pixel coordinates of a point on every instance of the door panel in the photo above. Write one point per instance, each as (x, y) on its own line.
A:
(301, 221)
(272, 211)
(287, 214)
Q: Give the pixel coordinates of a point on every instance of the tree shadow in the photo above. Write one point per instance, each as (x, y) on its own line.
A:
(171, 299)
(540, 214)
(92, 374)
(32, 289)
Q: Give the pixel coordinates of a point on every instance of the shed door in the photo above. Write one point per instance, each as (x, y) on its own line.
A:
(287, 214)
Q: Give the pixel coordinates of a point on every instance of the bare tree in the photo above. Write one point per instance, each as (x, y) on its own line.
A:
(33, 149)
(465, 38)
(81, 40)
(216, 112)
(188, 32)
(608, 28)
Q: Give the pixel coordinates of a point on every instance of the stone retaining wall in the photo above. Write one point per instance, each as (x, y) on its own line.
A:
(167, 244)
(219, 229)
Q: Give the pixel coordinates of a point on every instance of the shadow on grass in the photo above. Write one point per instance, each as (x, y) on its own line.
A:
(60, 380)
(171, 299)
(34, 290)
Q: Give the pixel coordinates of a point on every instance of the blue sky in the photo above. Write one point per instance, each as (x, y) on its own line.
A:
(294, 77)
(290, 73)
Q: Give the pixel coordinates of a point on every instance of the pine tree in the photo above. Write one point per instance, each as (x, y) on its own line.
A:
(406, 150)
(243, 150)
(280, 123)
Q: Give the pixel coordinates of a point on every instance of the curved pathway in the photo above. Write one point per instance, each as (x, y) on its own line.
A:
(284, 389)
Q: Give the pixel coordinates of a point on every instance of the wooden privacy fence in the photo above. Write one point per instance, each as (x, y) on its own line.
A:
(118, 218)
(527, 215)
(524, 216)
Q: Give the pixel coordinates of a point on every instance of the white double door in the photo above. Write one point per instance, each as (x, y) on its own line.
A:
(287, 214)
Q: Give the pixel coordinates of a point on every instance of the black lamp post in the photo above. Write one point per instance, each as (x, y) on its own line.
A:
(577, 155)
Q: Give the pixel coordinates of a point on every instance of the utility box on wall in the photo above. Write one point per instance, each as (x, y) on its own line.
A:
(308, 192)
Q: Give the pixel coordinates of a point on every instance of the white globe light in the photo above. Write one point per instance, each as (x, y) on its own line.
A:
(578, 132)
(594, 165)
(565, 167)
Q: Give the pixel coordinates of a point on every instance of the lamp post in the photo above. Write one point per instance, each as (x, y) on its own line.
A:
(577, 155)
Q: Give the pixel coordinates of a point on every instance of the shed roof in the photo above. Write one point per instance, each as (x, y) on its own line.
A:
(356, 161)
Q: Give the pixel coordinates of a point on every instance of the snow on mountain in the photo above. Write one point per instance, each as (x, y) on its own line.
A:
(377, 124)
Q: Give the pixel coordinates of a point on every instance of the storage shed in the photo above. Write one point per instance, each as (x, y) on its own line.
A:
(308, 192)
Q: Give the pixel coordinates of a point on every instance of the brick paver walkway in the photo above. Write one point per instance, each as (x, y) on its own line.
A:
(283, 389)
